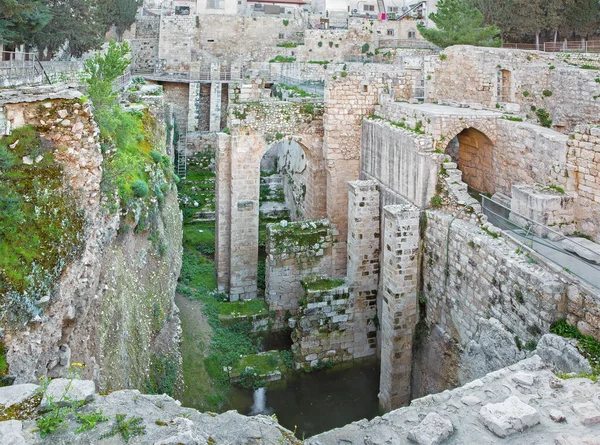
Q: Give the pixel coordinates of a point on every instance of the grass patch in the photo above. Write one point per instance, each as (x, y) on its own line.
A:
(282, 59)
(262, 364)
(320, 283)
(242, 309)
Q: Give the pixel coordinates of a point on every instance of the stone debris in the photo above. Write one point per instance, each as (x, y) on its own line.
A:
(16, 394)
(508, 417)
(67, 391)
(523, 378)
(471, 400)
(577, 440)
(557, 415)
(583, 248)
(433, 430)
(587, 412)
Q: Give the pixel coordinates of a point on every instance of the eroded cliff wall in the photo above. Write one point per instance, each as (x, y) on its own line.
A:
(110, 303)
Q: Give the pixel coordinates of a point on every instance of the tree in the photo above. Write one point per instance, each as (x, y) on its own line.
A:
(460, 24)
(120, 13)
(21, 19)
(583, 17)
(531, 17)
(75, 27)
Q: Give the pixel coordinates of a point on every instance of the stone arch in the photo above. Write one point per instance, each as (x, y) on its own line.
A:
(458, 127)
(238, 201)
(474, 153)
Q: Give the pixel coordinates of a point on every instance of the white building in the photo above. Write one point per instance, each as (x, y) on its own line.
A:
(393, 8)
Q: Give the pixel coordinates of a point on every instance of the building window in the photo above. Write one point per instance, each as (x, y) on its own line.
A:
(412, 34)
(390, 32)
(368, 8)
(392, 9)
(281, 36)
(214, 4)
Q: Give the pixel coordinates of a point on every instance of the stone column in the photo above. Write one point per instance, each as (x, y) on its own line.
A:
(363, 263)
(223, 210)
(215, 106)
(194, 107)
(399, 303)
(246, 152)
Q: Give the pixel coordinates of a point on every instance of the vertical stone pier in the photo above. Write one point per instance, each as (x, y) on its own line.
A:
(223, 211)
(363, 263)
(193, 119)
(399, 303)
(215, 98)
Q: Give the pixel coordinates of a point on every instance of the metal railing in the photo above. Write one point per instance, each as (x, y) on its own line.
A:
(316, 88)
(564, 46)
(544, 241)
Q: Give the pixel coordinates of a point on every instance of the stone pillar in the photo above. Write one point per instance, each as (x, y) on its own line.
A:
(223, 211)
(246, 152)
(363, 263)
(194, 107)
(399, 303)
(215, 106)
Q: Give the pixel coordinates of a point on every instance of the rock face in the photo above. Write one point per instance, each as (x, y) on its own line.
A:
(562, 353)
(509, 406)
(112, 308)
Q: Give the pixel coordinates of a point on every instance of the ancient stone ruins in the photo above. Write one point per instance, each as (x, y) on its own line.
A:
(440, 210)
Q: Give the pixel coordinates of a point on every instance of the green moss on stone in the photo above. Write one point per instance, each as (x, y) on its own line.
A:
(320, 283)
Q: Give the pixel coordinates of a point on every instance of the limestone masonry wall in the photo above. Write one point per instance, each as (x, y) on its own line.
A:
(473, 276)
(295, 251)
(532, 81)
(584, 154)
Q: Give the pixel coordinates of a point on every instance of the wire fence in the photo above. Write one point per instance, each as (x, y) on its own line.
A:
(545, 241)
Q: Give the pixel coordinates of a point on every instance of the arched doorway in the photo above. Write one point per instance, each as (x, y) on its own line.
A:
(283, 182)
(473, 151)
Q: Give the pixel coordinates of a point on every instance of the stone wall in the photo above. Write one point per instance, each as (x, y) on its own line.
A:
(178, 95)
(400, 160)
(348, 99)
(295, 251)
(533, 80)
(584, 155)
(473, 276)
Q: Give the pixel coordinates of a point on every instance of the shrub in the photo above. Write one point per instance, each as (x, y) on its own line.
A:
(320, 44)
(7, 159)
(443, 56)
(546, 93)
(365, 48)
(343, 74)
(543, 117)
(156, 156)
(526, 93)
(139, 188)
(126, 428)
(436, 202)
(176, 178)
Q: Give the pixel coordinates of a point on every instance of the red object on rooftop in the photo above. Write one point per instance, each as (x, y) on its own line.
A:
(278, 2)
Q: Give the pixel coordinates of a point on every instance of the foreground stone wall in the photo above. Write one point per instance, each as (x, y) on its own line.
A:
(473, 276)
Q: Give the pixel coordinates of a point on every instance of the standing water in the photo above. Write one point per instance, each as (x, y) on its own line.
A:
(318, 401)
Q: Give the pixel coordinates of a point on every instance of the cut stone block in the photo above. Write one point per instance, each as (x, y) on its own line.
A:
(583, 248)
(588, 413)
(523, 378)
(433, 430)
(67, 391)
(16, 394)
(508, 417)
